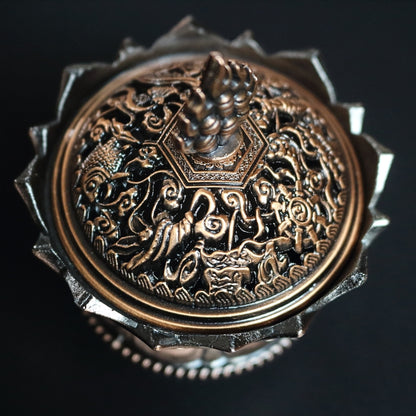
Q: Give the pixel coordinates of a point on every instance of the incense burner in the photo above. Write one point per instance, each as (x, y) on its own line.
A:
(203, 200)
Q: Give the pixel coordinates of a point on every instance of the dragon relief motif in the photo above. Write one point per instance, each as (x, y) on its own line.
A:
(209, 246)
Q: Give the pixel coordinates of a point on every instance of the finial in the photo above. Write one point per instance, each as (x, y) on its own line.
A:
(215, 109)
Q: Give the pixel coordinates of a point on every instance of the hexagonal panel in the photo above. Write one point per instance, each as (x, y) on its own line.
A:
(197, 172)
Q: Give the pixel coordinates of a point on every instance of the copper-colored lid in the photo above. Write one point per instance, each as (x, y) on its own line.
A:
(207, 194)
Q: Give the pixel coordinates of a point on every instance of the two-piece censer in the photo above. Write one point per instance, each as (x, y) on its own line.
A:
(203, 200)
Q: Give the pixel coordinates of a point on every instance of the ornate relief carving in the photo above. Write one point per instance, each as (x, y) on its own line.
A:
(208, 231)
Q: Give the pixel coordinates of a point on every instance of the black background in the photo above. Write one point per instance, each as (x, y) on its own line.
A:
(358, 357)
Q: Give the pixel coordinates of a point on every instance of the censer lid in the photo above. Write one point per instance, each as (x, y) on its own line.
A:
(208, 197)
(207, 192)
(203, 200)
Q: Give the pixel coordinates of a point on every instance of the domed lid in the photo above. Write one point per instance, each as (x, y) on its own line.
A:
(206, 193)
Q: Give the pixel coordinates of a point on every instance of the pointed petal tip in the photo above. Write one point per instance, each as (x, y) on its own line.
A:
(185, 26)
(315, 57)
(127, 48)
(76, 81)
(69, 75)
(19, 183)
(356, 118)
(246, 39)
(381, 220)
(351, 115)
(20, 187)
(355, 278)
(24, 184)
(39, 138)
(186, 22)
(22, 181)
(188, 33)
(378, 224)
(89, 303)
(43, 251)
(93, 305)
(385, 160)
(247, 34)
(128, 43)
(322, 73)
(306, 67)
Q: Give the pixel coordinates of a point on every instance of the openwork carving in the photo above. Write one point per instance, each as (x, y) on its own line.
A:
(221, 230)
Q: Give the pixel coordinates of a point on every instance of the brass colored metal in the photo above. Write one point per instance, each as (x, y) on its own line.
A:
(206, 197)
(217, 258)
(215, 109)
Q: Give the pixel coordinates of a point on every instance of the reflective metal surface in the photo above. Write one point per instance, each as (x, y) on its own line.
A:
(205, 196)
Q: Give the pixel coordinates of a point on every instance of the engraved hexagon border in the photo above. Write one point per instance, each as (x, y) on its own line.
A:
(305, 67)
(239, 176)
